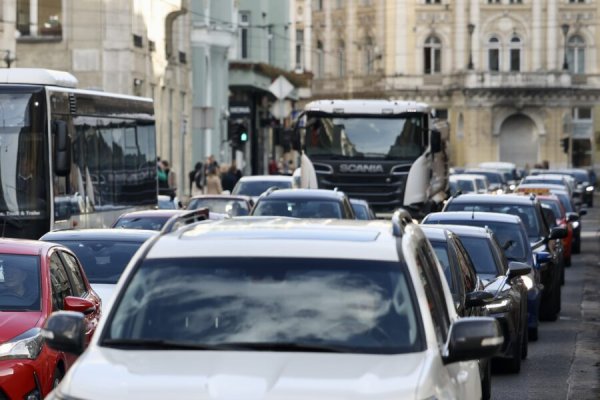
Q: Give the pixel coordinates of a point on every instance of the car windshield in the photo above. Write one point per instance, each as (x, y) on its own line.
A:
(361, 211)
(19, 283)
(481, 254)
(256, 188)
(492, 177)
(441, 251)
(565, 200)
(465, 186)
(235, 208)
(398, 138)
(148, 223)
(301, 208)
(102, 260)
(525, 212)
(354, 306)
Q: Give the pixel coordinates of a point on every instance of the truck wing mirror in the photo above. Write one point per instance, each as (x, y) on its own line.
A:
(436, 141)
(62, 148)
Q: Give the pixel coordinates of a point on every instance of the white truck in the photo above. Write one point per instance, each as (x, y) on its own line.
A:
(390, 153)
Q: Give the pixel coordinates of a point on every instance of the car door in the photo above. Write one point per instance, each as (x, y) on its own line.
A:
(460, 380)
(81, 288)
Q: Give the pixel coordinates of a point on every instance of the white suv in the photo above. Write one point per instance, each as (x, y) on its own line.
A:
(273, 308)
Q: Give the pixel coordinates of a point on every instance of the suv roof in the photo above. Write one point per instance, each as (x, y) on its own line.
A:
(322, 194)
(492, 199)
(117, 234)
(460, 230)
(475, 216)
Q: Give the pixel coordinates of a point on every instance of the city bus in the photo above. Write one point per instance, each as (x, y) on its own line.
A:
(71, 157)
(389, 153)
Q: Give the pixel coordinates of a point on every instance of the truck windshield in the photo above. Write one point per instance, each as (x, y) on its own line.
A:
(403, 137)
(22, 183)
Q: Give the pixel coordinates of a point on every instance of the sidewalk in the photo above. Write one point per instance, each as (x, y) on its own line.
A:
(584, 381)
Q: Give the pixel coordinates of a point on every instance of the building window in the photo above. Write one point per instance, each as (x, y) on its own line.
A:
(319, 5)
(576, 1)
(299, 48)
(244, 28)
(515, 54)
(341, 59)
(182, 57)
(582, 113)
(433, 55)
(494, 54)
(494, 1)
(320, 70)
(138, 41)
(433, 1)
(576, 55)
(515, 1)
(39, 20)
(151, 46)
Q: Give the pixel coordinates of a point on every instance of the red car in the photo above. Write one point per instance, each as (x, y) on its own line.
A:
(37, 278)
(562, 220)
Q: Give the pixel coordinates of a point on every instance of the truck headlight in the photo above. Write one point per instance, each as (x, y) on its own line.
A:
(26, 345)
(527, 281)
(498, 306)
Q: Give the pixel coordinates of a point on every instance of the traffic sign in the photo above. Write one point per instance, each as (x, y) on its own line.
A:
(281, 87)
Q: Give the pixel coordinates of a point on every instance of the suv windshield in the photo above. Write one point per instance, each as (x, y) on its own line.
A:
(302, 208)
(286, 304)
(19, 283)
(235, 208)
(256, 188)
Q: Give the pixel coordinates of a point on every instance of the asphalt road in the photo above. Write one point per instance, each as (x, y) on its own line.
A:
(564, 363)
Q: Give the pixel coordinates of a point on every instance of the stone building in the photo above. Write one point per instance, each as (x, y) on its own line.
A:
(513, 77)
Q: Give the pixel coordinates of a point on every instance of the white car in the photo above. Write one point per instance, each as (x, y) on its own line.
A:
(276, 308)
(256, 185)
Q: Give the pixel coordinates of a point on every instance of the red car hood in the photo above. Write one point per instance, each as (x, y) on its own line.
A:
(13, 323)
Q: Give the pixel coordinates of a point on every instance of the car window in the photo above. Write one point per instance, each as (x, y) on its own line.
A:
(256, 188)
(235, 208)
(102, 260)
(61, 287)
(302, 208)
(466, 266)
(480, 252)
(360, 211)
(153, 223)
(441, 252)
(355, 306)
(78, 284)
(19, 283)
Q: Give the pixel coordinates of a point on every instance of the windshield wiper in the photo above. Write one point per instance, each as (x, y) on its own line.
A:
(287, 346)
(156, 344)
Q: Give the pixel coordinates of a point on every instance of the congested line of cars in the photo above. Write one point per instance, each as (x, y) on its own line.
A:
(241, 286)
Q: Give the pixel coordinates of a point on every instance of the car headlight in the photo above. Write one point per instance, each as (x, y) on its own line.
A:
(498, 306)
(512, 187)
(527, 281)
(575, 224)
(589, 189)
(26, 345)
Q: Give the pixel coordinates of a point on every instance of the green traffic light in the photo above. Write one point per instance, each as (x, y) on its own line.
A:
(243, 137)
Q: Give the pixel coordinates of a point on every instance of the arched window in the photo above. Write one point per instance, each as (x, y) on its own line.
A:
(515, 54)
(341, 58)
(576, 54)
(432, 60)
(494, 54)
(320, 70)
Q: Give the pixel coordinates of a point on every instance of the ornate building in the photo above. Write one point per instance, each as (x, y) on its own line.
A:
(513, 77)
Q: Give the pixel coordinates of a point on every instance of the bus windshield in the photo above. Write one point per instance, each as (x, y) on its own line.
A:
(22, 171)
(397, 138)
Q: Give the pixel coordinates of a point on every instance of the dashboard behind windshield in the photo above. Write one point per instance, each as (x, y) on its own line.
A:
(402, 137)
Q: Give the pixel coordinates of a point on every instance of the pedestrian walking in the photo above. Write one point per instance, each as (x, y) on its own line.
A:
(196, 177)
(213, 183)
(229, 178)
(170, 188)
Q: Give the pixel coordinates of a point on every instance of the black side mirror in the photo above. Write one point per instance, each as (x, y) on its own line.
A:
(473, 338)
(436, 141)
(572, 217)
(516, 268)
(478, 298)
(558, 232)
(62, 148)
(582, 212)
(65, 331)
(542, 257)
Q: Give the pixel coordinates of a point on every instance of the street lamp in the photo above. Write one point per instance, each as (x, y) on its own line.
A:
(565, 31)
(471, 28)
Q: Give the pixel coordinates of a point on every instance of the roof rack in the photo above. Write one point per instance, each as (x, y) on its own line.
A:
(400, 219)
(187, 218)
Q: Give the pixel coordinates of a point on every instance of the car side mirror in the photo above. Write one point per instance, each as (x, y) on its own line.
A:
(65, 331)
(558, 232)
(572, 217)
(78, 304)
(516, 268)
(582, 212)
(542, 257)
(478, 298)
(473, 338)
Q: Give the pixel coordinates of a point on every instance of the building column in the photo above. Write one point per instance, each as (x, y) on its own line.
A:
(536, 37)
(552, 24)
(401, 31)
(461, 45)
(474, 14)
(33, 17)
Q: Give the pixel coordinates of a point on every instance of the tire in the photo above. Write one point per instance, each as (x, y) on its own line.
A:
(58, 375)
(548, 308)
(568, 261)
(576, 249)
(525, 342)
(532, 334)
(514, 364)
(486, 382)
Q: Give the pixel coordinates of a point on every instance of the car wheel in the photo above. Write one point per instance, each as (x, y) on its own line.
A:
(568, 261)
(548, 307)
(486, 382)
(514, 364)
(576, 249)
(58, 375)
(532, 334)
(525, 342)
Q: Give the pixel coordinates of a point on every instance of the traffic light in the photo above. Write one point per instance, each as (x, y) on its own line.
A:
(564, 142)
(238, 134)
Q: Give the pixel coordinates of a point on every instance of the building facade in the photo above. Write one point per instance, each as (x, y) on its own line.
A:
(514, 77)
(134, 47)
